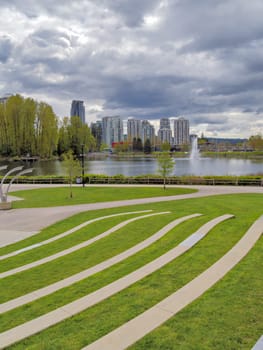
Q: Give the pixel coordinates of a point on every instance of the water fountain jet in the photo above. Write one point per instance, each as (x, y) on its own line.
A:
(194, 148)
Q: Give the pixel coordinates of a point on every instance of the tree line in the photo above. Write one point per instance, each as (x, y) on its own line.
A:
(29, 127)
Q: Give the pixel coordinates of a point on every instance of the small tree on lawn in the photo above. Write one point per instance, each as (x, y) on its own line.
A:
(72, 166)
(165, 166)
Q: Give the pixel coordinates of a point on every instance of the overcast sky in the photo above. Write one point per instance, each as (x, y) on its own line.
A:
(200, 59)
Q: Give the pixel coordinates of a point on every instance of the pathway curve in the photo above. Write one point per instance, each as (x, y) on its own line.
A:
(141, 325)
(40, 323)
(64, 234)
(36, 294)
(76, 247)
(21, 223)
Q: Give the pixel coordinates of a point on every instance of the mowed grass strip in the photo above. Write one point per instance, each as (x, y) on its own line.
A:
(226, 233)
(27, 281)
(228, 316)
(99, 280)
(61, 227)
(86, 327)
(57, 196)
(82, 235)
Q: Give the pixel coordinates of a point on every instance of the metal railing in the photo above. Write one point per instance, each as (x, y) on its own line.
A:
(147, 180)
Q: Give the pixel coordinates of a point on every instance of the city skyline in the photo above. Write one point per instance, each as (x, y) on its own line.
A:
(145, 59)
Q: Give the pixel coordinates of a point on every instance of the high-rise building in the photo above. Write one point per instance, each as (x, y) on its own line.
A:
(78, 109)
(148, 132)
(134, 129)
(112, 130)
(165, 123)
(165, 132)
(165, 136)
(181, 131)
(96, 131)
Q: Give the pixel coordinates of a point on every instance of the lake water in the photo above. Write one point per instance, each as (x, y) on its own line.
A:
(139, 166)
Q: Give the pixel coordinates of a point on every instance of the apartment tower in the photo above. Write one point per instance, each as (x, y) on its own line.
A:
(78, 109)
(181, 131)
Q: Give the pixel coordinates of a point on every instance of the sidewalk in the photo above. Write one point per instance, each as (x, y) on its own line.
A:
(40, 323)
(19, 224)
(143, 324)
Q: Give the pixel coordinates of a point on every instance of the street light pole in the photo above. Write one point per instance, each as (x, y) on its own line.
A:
(82, 161)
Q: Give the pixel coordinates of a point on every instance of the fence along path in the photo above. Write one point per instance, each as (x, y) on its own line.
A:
(40, 323)
(36, 294)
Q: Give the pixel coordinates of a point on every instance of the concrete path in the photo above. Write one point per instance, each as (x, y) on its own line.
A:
(259, 344)
(19, 224)
(132, 331)
(36, 294)
(76, 247)
(40, 323)
(64, 234)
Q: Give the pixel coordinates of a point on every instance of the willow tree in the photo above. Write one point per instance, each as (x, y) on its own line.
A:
(46, 128)
(4, 144)
(27, 127)
(63, 136)
(14, 122)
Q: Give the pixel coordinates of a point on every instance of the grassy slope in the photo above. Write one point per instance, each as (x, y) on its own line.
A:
(100, 319)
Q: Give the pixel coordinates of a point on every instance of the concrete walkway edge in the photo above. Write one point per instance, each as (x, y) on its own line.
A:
(64, 234)
(38, 324)
(39, 293)
(76, 247)
(138, 327)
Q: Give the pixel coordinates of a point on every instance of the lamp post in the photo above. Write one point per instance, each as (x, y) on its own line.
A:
(82, 164)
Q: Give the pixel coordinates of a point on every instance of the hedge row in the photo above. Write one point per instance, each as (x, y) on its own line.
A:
(256, 180)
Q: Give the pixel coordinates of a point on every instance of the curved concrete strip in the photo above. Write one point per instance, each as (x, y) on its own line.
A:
(64, 234)
(259, 344)
(40, 323)
(76, 247)
(31, 220)
(9, 305)
(143, 324)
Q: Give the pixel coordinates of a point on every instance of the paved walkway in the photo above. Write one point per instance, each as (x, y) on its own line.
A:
(143, 324)
(19, 224)
(64, 234)
(36, 294)
(40, 323)
(75, 247)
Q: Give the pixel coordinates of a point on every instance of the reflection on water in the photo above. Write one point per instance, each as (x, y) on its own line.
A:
(138, 166)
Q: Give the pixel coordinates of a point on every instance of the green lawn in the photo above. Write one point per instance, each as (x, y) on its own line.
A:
(228, 316)
(50, 197)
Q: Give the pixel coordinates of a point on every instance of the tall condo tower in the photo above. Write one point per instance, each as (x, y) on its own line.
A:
(165, 132)
(148, 132)
(78, 109)
(112, 130)
(134, 129)
(181, 131)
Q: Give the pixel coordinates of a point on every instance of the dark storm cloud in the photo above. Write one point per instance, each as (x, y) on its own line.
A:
(141, 58)
(131, 11)
(5, 49)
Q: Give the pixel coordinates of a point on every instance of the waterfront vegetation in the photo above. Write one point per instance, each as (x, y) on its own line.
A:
(231, 154)
(93, 179)
(228, 316)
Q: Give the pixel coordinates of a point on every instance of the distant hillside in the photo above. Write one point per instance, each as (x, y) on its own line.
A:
(224, 140)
